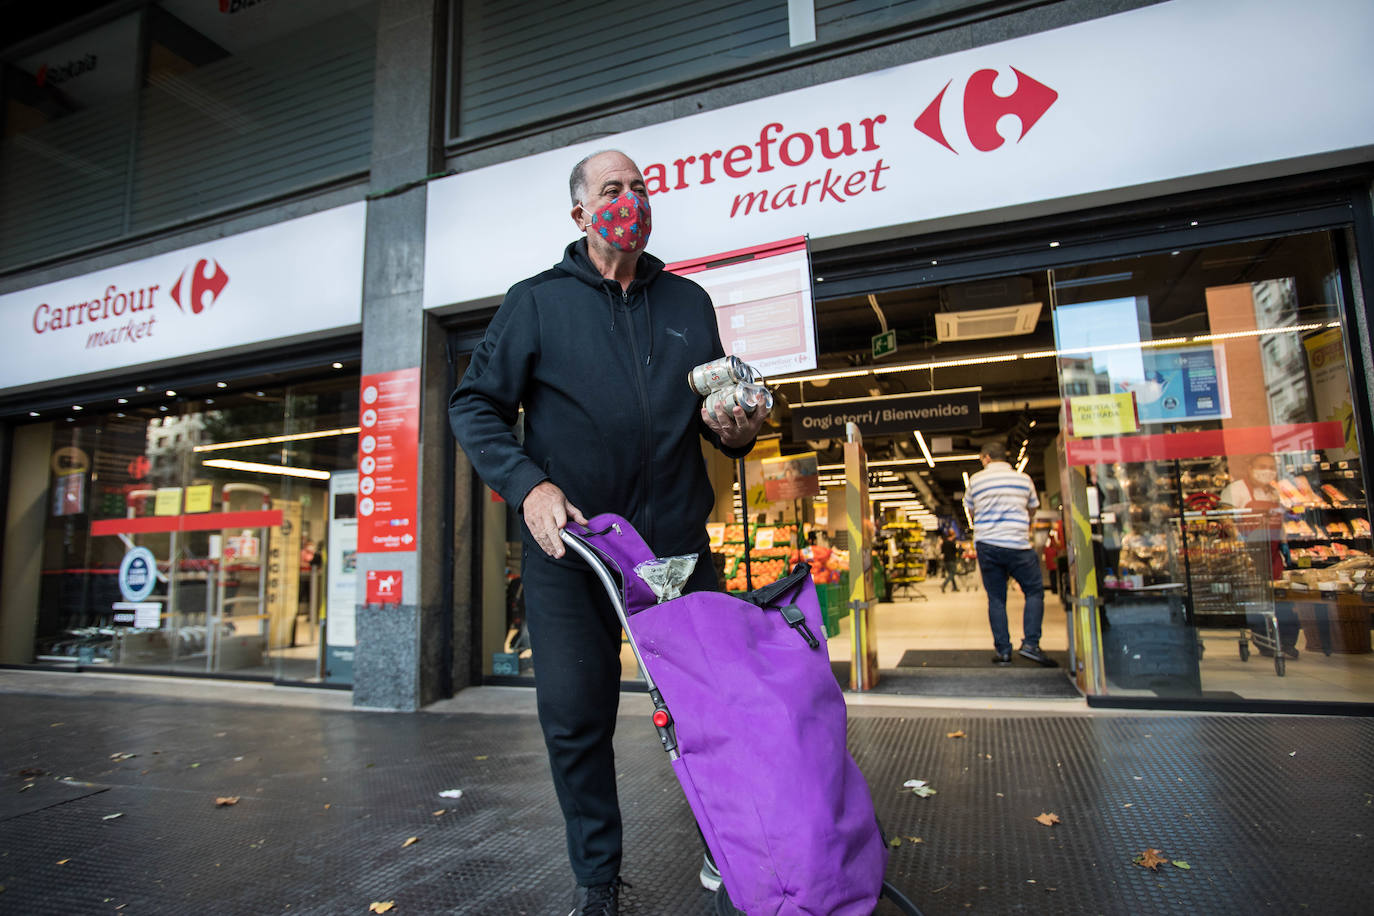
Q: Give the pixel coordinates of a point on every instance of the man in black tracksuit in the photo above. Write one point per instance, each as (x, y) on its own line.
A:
(597, 351)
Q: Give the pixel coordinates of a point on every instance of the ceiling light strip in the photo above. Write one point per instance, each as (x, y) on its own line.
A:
(254, 467)
(270, 440)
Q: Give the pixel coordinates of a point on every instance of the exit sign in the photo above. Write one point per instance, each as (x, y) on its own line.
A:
(885, 344)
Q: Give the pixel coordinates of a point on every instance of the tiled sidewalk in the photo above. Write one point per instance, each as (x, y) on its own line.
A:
(1272, 813)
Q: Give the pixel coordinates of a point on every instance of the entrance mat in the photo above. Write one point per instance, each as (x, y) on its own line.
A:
(994, 681)
(970, 658)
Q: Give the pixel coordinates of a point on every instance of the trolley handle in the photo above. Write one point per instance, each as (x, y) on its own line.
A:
(662, 719)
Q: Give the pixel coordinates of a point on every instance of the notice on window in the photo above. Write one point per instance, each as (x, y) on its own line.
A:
(168, 501)
(200, 498)
(716, 532)
(1181, 383)
(1102, 415)
(764, 307)
(388, 438)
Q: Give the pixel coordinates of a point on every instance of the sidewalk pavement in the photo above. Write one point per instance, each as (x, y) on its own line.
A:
(108, 790)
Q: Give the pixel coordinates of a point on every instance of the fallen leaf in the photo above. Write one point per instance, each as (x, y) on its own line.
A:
(913, 839)
(410, 841)
(1049, 820)
(483, 757)
(451, 793)
(441, 812)
(1179, 863)
(220, 734)
(1292, 753)
(63, 861)
(194, 765)
(326, 807)
(1151, 859)
(122, 756)
(1129, 805)
(1000, 795)
(958, 734)
(894, 842)
(25, 787)
(223, 800)
(110, 817)
(381, 907)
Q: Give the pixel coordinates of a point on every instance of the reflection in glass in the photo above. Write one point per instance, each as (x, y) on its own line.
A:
(235, 499)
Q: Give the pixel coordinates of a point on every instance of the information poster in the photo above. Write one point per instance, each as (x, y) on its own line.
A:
(341, 554)
(389, 421)
(791, 477)
(764, 307)
(1181, 383)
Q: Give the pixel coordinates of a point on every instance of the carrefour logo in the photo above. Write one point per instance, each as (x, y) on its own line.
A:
(982, 107)
(203, 286)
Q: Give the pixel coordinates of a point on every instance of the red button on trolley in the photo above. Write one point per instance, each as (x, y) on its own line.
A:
(661, 718)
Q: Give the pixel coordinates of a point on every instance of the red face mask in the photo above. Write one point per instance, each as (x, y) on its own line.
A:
(624, 222)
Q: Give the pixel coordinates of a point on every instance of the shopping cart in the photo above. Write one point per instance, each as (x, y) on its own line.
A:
(783, 808)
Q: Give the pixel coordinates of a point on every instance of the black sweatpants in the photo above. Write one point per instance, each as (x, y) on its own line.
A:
(575, 636)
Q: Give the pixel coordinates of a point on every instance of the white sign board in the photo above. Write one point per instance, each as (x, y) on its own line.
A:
(1181, 88)
(282, 281)
(764, 309)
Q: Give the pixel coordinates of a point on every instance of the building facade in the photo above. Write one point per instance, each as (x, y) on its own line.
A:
(247, 248)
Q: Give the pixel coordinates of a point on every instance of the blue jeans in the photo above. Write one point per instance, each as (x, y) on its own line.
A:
(996, 563)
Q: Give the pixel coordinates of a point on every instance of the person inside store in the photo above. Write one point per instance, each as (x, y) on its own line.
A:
(1260, 525)
(596, 350)
(1000, 501)
(949, 558)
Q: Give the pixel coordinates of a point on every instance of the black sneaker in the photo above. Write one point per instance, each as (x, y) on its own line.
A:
(598, 900)
(1034, 654)
(1002, 658)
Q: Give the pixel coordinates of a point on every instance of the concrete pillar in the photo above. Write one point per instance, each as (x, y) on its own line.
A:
(404, 653)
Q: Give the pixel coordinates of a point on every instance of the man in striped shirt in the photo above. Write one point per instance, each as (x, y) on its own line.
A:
(1000, 501)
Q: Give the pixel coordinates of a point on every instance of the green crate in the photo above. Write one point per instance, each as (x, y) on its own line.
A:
(834, 601)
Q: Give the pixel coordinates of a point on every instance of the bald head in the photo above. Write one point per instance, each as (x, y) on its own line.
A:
(578, 181)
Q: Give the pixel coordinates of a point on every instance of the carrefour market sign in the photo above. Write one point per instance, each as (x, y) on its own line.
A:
(285, 280)
(1130, 102)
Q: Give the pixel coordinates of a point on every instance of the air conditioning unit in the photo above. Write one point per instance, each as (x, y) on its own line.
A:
(1007, 321)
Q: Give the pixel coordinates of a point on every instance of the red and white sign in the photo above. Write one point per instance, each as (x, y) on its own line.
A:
(388, 440)
(280, 282)
(1122, 106)
(383, 586)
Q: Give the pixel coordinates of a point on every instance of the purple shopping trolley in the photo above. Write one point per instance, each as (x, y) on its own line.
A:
(754, 723)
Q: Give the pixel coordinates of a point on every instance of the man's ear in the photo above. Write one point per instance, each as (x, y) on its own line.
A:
(578, 212)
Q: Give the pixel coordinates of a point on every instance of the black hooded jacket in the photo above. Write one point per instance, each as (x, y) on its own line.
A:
(602, 376)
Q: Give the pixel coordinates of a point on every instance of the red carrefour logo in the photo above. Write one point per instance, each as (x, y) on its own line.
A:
(983, 107)
(200, 284)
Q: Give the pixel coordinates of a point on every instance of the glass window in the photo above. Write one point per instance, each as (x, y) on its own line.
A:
(1214, 472)
(185, 108)
(209, 535)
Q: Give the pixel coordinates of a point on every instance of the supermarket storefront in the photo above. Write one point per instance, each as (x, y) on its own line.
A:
(1166, 239)
(181, 486)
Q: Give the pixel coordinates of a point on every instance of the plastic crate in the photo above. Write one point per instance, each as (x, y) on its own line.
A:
(834, 601)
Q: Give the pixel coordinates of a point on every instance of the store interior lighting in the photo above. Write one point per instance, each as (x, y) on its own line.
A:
(925, 449)
(269, 440)
(1044, 354)
(254, 467)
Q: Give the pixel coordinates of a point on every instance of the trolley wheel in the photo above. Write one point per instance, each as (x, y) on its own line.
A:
(1245, 650)
(724, 907)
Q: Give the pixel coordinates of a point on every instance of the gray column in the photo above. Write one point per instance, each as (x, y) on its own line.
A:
(404, 653)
